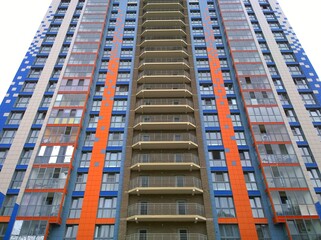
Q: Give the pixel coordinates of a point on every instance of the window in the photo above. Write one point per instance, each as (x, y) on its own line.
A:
(104, 232)
(240, 138)
(315, 115)
(81, 181)
(295, 70)
(290, 114)
(22, 102)
(46, 101)
(96, 105)
(120, 105)
(35, 73)
(221, 181)
(115, 139)
(297, 133)
(90, 139)
(40, 61)
(306, 154)
(113, 159)
(118, 121)
(7, 136)
(250, 181)
(3, 229)
(8, 205)
(40, 117)
(93, 121)
(315, 177)
(245, 159)
(229, 231)
(288, 57)
(211, 121)
(33, 136)
(29, 86)
(15, 118)
(225, 207)
(236, 120)
(110, 182)
(308, 98)
(75, 209)
(217, 158)
(54, 154)
(71, 232)
(256, 205)
(263, 232)
(301, 83)
(85, 159)
(3, 155)
(30, 229)
(107, 207)
(273, 70)
(25, 157)
(283, 46)
(17, 179)
(232, 103)
(213, 138)
(284, 99)
(208, 104)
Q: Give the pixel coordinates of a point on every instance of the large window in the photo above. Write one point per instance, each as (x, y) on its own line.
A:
(225, 207)
(15, 118)
(71, 232)
(221, 181)
(256, 205)
(113, 159)
(7, 136)
(229, 232)
(107, 207)
(75, 209)
(104, 232)
(110, 182)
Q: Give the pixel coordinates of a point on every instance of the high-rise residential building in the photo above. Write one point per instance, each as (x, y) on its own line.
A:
(162, 119)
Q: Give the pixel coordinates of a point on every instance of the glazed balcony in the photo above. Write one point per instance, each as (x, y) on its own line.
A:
(164, 122)
(165, 51)
(164, 105)
(165, 161)
(163, 64)
(165, 140)
(295, 210)
(166, 236)
(164, 76)
(165, 185)
(169, 212)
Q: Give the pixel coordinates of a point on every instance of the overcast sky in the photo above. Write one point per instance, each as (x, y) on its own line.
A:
(19, 20)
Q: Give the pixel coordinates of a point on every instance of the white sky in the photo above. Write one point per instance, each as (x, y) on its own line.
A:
(20, 19)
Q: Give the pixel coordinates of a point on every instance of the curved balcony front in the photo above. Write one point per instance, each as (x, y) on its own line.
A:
(163, 64)
(167, 140)
(165, 185)
(164, 76)
(161, 12)
(166, 212)
(163, 52)
(164, 105)
(163, 32)
(165, 161)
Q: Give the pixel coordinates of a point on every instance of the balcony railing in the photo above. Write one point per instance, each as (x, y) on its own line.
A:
(165, 182)
(294, 210)
(168, 101)
(164, 86)
(164, 60)
(164, 73)
(287, 182)
(172, 137)
(165, 158)
(167, 236)
(166, 209)
(164, 118)
(46, 183)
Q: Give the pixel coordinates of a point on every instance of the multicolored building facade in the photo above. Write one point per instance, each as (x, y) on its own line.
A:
(162, 119)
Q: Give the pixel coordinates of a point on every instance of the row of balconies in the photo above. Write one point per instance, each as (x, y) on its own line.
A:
(164, 76)
(166, 236)
(168, 105)
(163, 63)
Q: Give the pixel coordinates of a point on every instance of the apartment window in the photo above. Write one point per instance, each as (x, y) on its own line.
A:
(17, 179)
(288, 57)
(217, 158)
(290, 114)
(40, 61)
(51, 86)
(25, 157)
(113, 159)
(34, 73)
(56, 73)
(297, 133)
(71, 232)
(7, 136)
(208, 104)
(33, 136)
(40, 117)
(96, 105)
(8, 205)
(81, 181)
(284, 46)
(256, 205)
(29, 86)
(3, 155)
(75, 209)
(240, 138)
(295, 70)
(308, 98)
(211, 121)
(225, 207)
(110, 182)
(264, 47)
(107, 207)
(93, 121)
(15, 118)
(118, 121)
(263, 232)
(46, 101)
(301, 83)
(229, 231)
(273, 70)
(315, 177)
(115, 139)
(3, 229)
(236, 120)
(278, 35)
(268, 57)
(104, 232)
(221, 181)
(245, 159)
(206, 89)
(306, 155)
(85, 159)
(250, 181)
(22, 102)
(213, 138)
(315, 115)
(284, 99)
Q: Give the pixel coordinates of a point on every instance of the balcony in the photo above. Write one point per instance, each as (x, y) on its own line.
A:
(165, 141)
(163, 63)
(165, 185)
(161, 12)
(166, 236)
(169, 212)
(295, 210)
(165, 161)
(164, 41)
(161, 105)
(164, 76)
(165, 51)
(162, 32)
(164, 122)
(165, 5)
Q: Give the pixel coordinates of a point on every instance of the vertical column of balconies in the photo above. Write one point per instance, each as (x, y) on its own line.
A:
(165, 192)
(290, 197)
(46, 188)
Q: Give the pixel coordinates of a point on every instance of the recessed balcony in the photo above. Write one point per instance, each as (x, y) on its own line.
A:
(163, 63)
(166, 41)
(165, 161)
(165, 185)
(164, 122)
(164, 90)
(162, 12)
(164, 76)
(161, 105)
(163, 32)
(166, 236)
(163, 52)
(163, 22)
(166, 212)
(160, 5)
(165, 140)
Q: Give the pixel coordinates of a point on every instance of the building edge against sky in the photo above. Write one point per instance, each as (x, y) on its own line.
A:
(146, 119)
